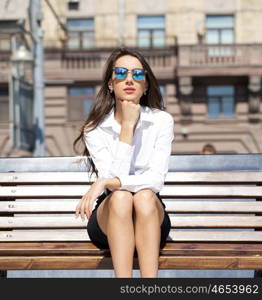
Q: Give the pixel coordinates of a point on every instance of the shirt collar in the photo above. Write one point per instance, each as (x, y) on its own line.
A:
(145, 118)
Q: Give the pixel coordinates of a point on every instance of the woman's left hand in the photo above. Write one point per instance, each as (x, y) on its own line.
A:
(85, 205)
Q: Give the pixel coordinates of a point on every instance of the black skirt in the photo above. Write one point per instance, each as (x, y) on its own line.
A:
(99, 239)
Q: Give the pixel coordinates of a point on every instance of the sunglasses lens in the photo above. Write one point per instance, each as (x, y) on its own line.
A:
(138, 74)
(120, 73)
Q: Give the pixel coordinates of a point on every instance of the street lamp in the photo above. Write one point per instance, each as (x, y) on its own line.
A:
(20, 58)
(27, 92)
(21, 99)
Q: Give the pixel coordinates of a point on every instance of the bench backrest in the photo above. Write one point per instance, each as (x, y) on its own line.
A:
(204, 206)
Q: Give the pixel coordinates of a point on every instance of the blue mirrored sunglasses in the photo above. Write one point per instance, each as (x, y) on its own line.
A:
(137, 74)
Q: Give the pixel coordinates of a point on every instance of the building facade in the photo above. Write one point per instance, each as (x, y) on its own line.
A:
(206, 55)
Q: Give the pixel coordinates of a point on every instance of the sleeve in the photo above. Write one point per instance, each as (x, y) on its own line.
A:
(154, 177)
(108, 166)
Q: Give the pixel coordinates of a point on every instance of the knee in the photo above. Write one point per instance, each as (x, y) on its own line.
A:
(145, 203)
(121, 203)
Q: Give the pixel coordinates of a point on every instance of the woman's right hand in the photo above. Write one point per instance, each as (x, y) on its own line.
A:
(130, 112)
(85, 205)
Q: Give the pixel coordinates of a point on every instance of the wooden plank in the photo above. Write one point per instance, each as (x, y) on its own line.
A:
(234, 262)
(215, 235)
(214, 177)
(84, 248)
(53, 248)
(210, 248)
(54, 191)
(68, 206)
(54, 262)
(212, 206)
(42, 222)
(102, 262)
(71, 191)
(46, 177)
(44, 235)
(40, 206)
(172, 177)
(177, 235)
(177, 222)
(217, 222)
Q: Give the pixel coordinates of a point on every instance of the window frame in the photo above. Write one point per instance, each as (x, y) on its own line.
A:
(80, 97)
(221, 114)
(4, 99)
(220, 29)
(80, 32)
(150, 32)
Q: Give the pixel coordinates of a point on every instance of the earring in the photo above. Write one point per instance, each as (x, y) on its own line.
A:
(111, 91)
(144, 92)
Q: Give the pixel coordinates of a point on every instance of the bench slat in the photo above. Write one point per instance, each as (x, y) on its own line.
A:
(217, 222)
(179, 177)
(102, 262)
(212, 206)
(167, 191)
(84, 248)
(40, 206)
(68, 206)
(177, 221)
(177, 255)
(176, 235)
(46, 177)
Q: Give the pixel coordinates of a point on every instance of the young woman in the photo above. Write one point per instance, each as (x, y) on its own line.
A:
(128, 138)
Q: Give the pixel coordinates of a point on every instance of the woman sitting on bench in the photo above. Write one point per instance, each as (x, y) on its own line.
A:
(128, 137)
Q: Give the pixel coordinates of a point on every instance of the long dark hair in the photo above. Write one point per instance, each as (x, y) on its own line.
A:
(105, 100)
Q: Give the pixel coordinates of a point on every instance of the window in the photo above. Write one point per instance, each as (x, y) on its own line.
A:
(73, 4)
(5, 44)
(220, 101)
(4, 105)
(81, 33)
(220, 31)
(7, 28)
(151, 31)
(80, 100)
(163, 93)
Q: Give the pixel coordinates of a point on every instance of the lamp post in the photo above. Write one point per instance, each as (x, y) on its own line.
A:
(35, 22)
(21, 98)
(23, 115)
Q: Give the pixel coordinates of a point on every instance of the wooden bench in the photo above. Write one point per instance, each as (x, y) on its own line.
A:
(216, 216)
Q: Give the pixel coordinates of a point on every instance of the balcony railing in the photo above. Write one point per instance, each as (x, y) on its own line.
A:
(188, 56)
(157, 58)
(165, 61)
(206, 55)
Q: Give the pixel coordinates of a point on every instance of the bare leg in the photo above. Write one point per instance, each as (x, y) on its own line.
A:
(149, 214)
(114, 216)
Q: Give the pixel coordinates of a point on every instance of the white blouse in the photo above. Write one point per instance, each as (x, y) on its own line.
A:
(144, 164)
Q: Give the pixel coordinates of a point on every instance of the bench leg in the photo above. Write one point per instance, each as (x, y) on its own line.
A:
(3, 273)
(258, 274)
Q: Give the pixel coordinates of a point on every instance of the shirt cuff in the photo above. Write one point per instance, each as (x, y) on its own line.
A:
(134, 183)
